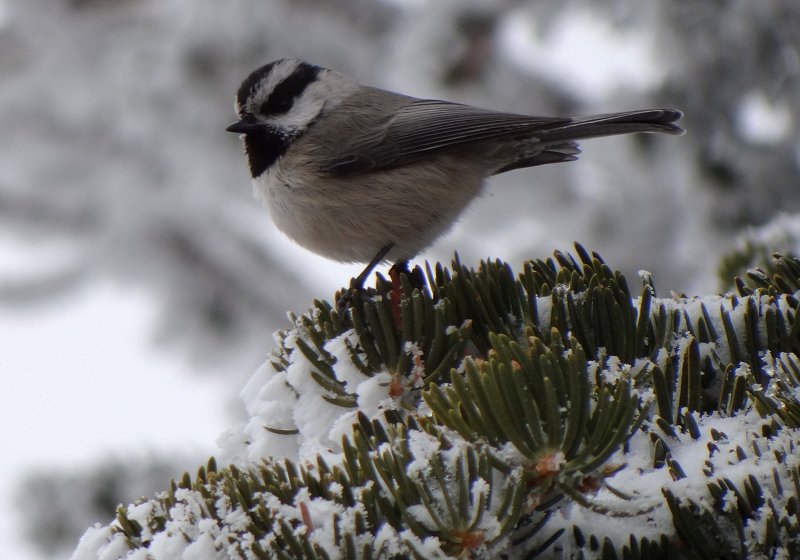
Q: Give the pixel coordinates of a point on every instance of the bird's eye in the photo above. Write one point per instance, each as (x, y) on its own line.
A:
(276, 104)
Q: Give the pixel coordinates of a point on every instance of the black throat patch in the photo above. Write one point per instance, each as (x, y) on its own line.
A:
(264, 147)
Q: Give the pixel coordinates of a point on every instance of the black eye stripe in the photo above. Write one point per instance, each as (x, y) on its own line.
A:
(281, 98)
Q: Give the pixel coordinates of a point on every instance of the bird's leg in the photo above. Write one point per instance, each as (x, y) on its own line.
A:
(357, 283)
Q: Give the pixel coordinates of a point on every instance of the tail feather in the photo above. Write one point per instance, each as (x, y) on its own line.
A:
(650, 120)
(558, 144)
(555, 153)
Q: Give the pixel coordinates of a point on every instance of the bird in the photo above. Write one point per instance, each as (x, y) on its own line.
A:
(361, 174)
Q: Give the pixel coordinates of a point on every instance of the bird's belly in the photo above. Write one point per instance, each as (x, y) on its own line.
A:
(350, 219)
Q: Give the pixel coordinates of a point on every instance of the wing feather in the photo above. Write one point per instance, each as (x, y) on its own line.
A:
(425, 127)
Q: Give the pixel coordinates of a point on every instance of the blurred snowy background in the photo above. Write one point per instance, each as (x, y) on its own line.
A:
(140, 282)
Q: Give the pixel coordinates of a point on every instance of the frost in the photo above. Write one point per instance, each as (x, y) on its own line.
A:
(429, 548)
(387, 540)
(315, 416)
(296, 399)
(308, 403)
(346, 370)
(373, 394)
(421, 515)
(422, 446)
(100, 543)
(418, 367)
(203, 549)
(742, 371)
(614, 370)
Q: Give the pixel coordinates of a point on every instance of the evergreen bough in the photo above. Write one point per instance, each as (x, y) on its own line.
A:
(549, 414)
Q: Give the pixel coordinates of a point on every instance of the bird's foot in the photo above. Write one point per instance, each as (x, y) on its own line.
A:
(357, 284)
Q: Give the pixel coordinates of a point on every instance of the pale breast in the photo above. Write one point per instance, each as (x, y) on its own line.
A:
(350, 218)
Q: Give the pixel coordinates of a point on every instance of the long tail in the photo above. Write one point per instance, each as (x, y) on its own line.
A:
(556, 145)
(650, 120)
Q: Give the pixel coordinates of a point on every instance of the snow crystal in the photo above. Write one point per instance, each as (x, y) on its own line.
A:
(373, 394)
(412, 348)
(233, 443)
(142, 513)
(298, 374)
(614, 370)
(310, 447)
(165, 544)
(269, 444)
(321, 514)
(742, 371)
(423, 446)
(269, 399)
(237, 520)
(343, 426)
(418, 367)
(421, 515)
(346, 371)
(544, 307)
(203, 549)
(768, 366)
(100, 543)
(480, 488)
(314, 416)
(294, 399)
(387, 541)
(275, 414)
(640, 478)
(373, 397)
(430, 548)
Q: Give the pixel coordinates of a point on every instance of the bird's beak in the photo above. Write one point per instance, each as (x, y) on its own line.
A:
(243, 127)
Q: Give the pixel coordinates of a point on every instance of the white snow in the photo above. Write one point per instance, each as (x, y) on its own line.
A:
(422, 447)
(321, 425)
(762, 120)
(583, 51)
(346, 371)
(294, 400)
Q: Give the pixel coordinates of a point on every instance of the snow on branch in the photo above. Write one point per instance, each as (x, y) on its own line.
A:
(478, 414)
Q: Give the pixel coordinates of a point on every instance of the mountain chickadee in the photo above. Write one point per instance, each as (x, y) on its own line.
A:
(360, 174)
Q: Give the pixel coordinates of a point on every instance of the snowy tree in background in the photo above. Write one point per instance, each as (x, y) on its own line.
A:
(489, 415)
(115, 163)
